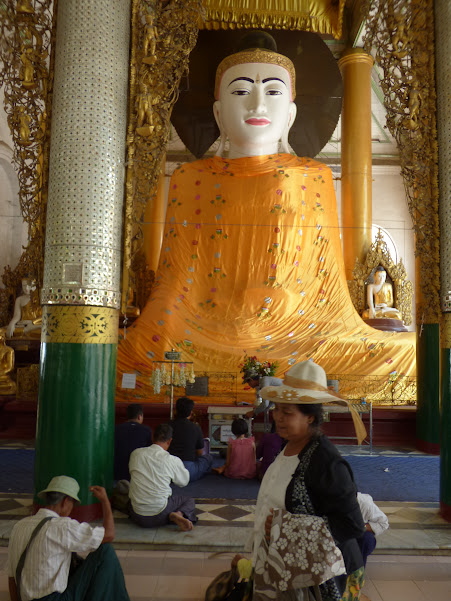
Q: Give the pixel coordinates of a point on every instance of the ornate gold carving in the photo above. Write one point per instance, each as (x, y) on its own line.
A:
(27, 32)
(28, 382)
(379, 255)
(303, 15)
(402, 34)
(159, 58)
(87, 325)
(258, 55)
(394, 389)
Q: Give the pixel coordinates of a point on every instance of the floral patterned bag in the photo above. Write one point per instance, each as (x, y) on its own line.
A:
(301, 553)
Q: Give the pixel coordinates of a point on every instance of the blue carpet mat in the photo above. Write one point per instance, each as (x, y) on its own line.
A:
(386, 478)
(16, 470)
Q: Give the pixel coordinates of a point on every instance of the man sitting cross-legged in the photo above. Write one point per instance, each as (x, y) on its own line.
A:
(41, 546)
(188, 441)
(131, 435)
(152, 469)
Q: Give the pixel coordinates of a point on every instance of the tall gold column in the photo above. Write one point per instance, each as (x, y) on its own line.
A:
(356, 158)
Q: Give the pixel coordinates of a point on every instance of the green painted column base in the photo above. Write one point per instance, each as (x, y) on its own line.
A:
(75, 425)
(428, 389)
(445, 437)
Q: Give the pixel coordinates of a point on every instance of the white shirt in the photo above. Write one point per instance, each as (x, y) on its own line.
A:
(272, 493)
(46, 568)
(152, 469)
(371, 514)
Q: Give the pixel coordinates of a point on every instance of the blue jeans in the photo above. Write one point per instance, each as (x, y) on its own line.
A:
(367, 544)
(197, 469)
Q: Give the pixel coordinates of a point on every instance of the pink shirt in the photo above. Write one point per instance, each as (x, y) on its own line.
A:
(242, 459)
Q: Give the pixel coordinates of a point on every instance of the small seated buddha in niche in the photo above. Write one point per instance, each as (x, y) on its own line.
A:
(27, 317)
(7, 386)
(380, 298)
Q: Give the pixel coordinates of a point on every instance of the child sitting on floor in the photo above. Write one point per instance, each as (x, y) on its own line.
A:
(240, 463)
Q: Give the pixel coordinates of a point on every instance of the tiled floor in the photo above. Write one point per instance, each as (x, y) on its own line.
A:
(412, 561)
(180, 576)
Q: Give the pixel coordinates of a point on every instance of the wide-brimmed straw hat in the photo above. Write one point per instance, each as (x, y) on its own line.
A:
(304, 382)
(63, 484)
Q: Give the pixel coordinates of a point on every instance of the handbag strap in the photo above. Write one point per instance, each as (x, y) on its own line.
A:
(21, 563)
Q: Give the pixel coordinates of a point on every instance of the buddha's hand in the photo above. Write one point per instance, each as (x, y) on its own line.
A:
(10, 330)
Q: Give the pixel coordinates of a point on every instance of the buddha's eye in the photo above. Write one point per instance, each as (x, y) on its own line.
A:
(240, 92)
(273, 93)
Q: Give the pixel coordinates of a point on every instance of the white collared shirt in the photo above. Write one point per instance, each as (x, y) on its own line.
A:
(371, 514)
(152, 469)
(46, 568)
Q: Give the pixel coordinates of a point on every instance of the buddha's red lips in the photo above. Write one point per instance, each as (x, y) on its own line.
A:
(254, 121)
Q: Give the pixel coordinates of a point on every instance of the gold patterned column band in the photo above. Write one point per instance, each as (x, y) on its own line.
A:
(87, 325)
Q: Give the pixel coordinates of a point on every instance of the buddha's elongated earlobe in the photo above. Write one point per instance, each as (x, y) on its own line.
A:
(284, 140)
(222, 134)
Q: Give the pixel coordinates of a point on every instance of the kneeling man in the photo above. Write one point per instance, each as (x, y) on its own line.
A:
(152, 469)
(41, 547)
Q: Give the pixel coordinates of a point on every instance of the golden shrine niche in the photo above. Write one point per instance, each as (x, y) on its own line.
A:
(379, 255)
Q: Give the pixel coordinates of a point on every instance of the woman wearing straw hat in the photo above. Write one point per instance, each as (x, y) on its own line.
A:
(309, 477)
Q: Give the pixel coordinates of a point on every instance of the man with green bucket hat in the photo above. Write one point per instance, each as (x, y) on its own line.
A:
(41, 547)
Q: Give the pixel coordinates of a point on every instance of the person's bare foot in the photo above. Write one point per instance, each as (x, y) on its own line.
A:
(183, 523)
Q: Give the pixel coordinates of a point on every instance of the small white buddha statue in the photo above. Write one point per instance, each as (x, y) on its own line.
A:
(380, 298)
(26, 321)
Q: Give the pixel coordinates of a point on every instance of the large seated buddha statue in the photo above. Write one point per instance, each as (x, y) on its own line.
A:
(251, 260)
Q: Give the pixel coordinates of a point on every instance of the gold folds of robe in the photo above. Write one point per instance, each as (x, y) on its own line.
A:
(251, 262)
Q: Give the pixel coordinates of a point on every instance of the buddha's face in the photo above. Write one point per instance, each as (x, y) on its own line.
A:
(380, 277)
(254, 108)
(28, 286)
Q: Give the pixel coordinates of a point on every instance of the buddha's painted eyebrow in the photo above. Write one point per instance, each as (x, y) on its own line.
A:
(252, 81)
(274, 79)
(242, 79)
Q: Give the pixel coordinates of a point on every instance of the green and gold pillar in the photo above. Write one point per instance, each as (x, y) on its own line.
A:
(356, 157)
(443, 78)
(81, 290)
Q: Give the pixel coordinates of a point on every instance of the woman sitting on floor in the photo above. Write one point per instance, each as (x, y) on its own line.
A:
(240, 462)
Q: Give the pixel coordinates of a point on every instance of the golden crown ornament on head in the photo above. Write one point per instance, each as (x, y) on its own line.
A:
(256, 55)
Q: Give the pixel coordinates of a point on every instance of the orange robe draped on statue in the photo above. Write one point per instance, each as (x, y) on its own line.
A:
(251, 262)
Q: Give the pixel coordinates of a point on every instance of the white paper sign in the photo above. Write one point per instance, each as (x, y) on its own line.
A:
(128, 380)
